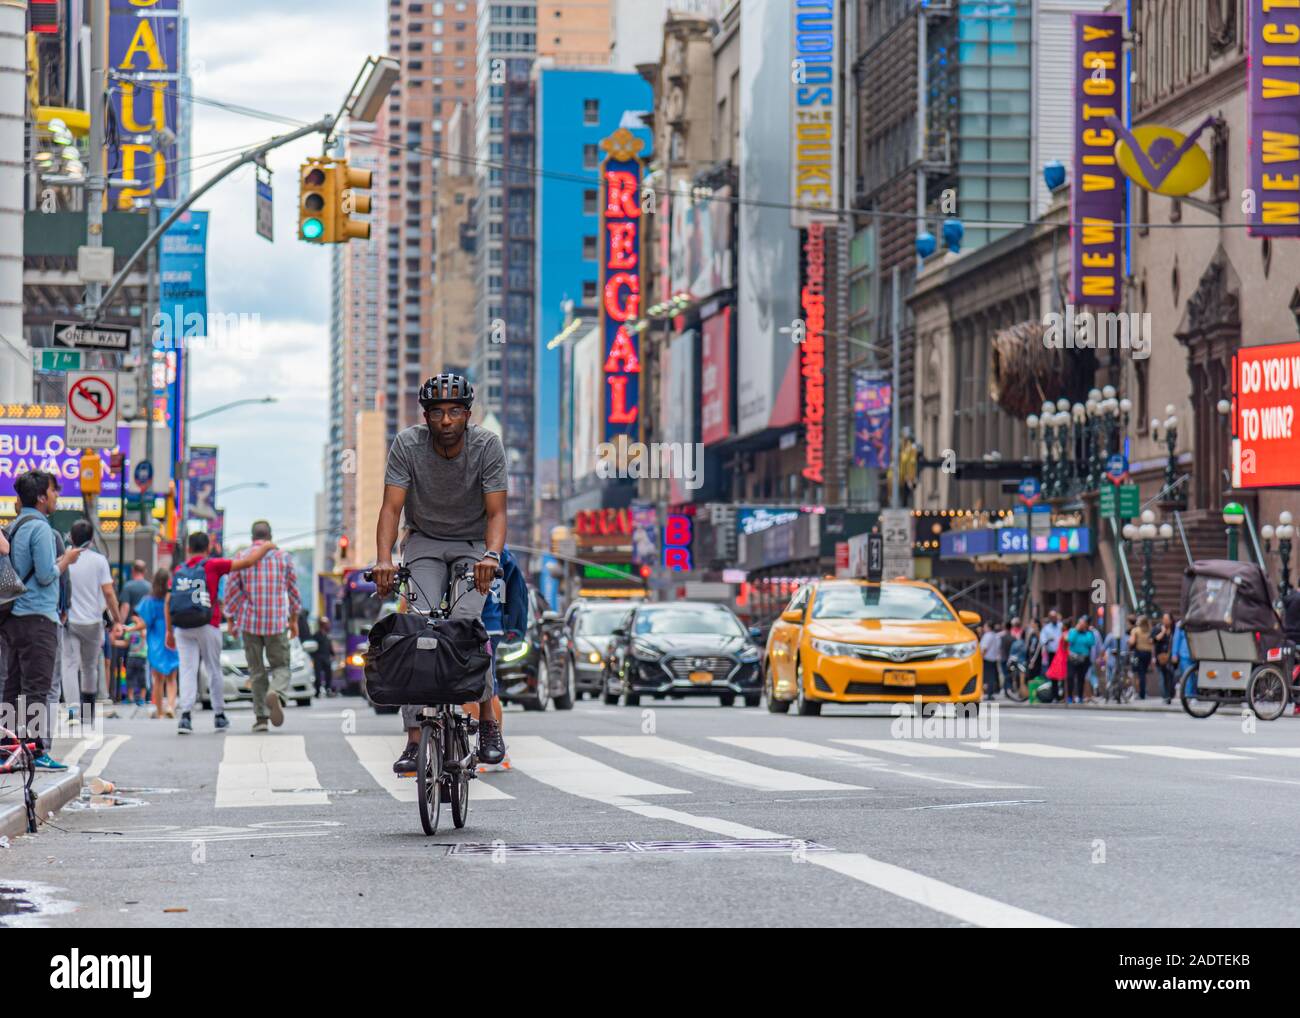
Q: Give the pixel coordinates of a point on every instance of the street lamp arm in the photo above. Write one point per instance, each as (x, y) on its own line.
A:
(94, 312)
(227, 406)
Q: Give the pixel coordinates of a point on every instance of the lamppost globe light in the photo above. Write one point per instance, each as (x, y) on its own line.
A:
(1048, 406)
(1266, 531)
(1129, 531)
(1224, 407)
(1284, 517)
(1062, 404)
(1110, 405)
(1125, 404)
(1148, 516)
(1171, 422)
(1147, 531)
(1170, 409)
(1032, 421)
(1286, 532)
(1094, 395)
(1166, 531)
(1092, 406)
(1108, 391)
(1155, 426)
(1077, 411)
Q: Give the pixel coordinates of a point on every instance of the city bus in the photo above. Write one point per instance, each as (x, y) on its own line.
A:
(348, 601)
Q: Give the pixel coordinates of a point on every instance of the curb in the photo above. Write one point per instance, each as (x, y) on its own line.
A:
(1161, 709)
(52, 798)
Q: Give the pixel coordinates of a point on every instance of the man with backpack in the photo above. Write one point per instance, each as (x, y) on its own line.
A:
(193, 615)
(29, 623)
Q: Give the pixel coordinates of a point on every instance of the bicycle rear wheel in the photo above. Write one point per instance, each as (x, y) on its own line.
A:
(428, 775)
(458, 780)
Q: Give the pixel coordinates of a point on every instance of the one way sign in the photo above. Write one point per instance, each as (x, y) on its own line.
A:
(93, 337)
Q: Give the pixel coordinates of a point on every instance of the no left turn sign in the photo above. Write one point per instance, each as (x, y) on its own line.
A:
(91, 411)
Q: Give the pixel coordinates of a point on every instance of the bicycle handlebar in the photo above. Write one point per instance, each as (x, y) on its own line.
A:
(403, 573)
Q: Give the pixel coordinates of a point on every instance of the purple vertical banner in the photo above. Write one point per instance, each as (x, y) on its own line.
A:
(1096, 186)
(1273, 118)
(201, 481)
(217, 532)
(872, 434)
(144, 48)
(645, 534)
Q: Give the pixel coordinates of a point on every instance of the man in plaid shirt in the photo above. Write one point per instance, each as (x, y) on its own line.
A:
(262, 603)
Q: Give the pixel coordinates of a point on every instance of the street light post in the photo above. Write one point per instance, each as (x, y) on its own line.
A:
(1233, 517)
(1284, 532)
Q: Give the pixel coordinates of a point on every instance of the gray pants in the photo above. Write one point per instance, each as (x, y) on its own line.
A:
(431, 562)
(276, 648)
(200, 644)
(83, 652)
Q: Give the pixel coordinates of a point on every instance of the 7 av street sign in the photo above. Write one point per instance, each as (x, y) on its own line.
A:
(93, 337)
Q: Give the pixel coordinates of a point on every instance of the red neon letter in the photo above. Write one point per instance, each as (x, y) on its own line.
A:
(620, 188)
(622, 312)
(619, 411)
(622, 354)
(622, 254)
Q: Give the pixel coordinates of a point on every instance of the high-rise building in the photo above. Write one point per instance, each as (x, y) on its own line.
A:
(577, 108)
(434, 42)
(355, 349)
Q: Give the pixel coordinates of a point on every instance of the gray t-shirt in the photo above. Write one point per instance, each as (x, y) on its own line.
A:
(444, 497)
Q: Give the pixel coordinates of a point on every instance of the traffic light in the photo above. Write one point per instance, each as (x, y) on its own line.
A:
(343, 549)
(318, 201)
(351, 181)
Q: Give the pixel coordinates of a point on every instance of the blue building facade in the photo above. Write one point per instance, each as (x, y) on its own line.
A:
(576, 109)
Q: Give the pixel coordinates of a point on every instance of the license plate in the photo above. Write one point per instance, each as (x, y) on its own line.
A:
(702, 678)
(893, 678)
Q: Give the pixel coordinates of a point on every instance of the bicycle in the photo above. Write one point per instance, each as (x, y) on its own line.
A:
(445, 762)
(18, 756)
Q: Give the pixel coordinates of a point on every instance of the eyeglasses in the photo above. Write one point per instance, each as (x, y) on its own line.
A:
(456, 413)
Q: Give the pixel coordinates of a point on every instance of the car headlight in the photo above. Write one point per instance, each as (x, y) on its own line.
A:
(645, 651)
(513, 652)
(834, 649)
(357, 660)
(960, 650)
(594, 658)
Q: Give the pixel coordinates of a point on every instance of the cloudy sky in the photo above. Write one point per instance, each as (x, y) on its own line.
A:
(292, 58)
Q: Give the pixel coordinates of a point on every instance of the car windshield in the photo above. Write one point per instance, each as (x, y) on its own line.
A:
(887, 601)
(599, 622)
(684, 621)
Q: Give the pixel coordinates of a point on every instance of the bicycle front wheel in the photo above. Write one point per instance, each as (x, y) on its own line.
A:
(428, 774)
(458, 780)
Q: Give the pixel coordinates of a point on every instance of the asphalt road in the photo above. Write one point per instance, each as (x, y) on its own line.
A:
(682, 814)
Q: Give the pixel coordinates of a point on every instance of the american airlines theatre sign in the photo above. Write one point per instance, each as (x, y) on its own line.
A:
(620, 217)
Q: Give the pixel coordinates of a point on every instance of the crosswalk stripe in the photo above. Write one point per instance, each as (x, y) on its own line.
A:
(798, 749)
(1046, 751)
(714, 765)
(1177, 752)
(545, 761)
(100, 760)
(262, 770)
(376, 754)
(912, 747)
(1269, 750)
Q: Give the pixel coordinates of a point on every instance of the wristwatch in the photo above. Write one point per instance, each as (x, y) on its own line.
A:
(493, 555)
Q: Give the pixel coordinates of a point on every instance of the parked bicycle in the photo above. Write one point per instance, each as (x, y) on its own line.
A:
(18, 756)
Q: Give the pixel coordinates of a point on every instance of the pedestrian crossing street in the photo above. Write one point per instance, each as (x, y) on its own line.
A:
(277, 770)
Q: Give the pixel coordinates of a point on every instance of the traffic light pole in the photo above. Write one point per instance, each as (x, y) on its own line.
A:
(94, 308)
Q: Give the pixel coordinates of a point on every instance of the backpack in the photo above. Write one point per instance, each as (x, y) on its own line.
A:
(12, 587)
(189, 603)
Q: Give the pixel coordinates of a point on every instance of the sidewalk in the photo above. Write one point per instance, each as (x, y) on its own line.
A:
(1152, 704)
(54, 790)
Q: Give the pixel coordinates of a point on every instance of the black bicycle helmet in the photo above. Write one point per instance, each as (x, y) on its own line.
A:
(446, 388)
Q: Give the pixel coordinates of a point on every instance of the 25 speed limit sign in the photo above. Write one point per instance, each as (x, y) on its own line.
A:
(91, 411)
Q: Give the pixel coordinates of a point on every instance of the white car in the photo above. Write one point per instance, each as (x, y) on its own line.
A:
(237, 684)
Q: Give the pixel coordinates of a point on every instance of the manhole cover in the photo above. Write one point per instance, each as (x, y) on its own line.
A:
(768, 845)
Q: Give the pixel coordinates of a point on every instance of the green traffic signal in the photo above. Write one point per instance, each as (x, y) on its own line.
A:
(312, 229)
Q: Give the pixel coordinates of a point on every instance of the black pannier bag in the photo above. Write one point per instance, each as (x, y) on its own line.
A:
(415, 660)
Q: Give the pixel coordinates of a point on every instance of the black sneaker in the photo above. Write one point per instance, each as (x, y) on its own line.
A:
(220, 722)
(184, 727)
(405, 764)
(491, 747)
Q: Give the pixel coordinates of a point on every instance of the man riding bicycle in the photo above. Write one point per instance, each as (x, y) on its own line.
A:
(449, 480)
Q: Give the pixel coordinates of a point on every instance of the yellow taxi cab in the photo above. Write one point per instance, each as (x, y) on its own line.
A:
(855, 641)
